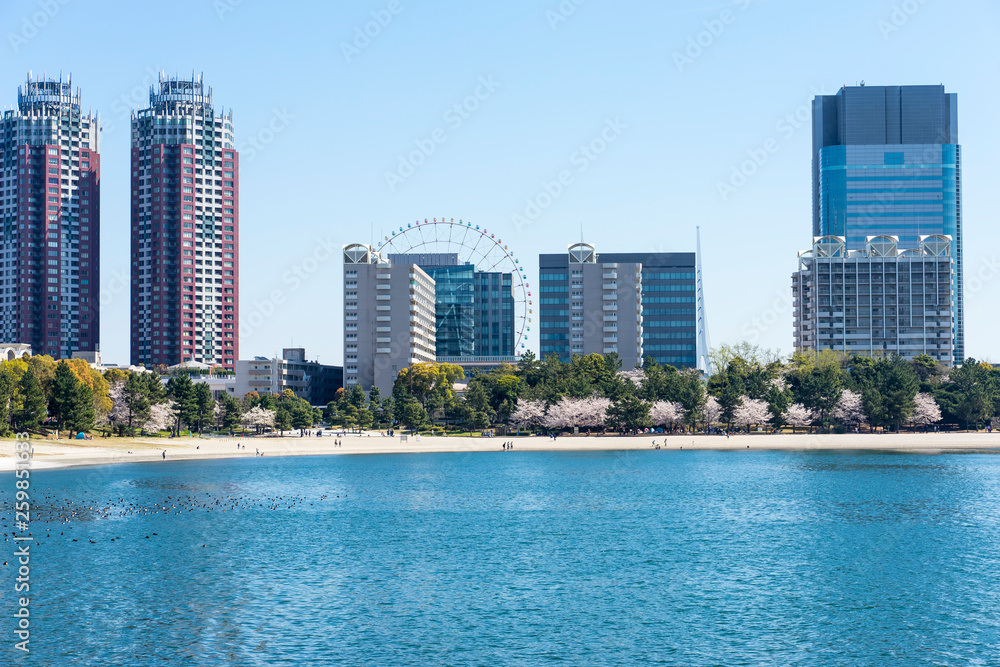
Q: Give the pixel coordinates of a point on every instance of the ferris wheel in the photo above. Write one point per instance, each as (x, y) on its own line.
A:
(474, 244)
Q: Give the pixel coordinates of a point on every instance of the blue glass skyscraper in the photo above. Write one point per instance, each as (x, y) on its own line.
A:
(886, 161)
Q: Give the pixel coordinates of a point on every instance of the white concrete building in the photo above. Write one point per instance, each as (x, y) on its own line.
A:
(389, 318)
(880, 300)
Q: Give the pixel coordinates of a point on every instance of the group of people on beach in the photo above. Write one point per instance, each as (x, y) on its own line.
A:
(508, 445)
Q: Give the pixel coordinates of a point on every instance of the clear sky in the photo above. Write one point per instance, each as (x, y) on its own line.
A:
(696, 87)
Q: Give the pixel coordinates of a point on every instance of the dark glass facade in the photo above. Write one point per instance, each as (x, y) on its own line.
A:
(886, 160)
(474, 309)
(494, 314)
(454, 309)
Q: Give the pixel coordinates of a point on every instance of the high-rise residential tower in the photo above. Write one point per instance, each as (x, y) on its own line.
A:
(887, 162)
(50, 213)
(185, 228)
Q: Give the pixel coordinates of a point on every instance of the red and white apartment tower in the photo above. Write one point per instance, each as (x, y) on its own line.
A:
(50, 221)
(185, 228)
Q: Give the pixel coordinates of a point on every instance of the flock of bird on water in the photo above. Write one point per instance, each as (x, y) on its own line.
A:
(64, 511)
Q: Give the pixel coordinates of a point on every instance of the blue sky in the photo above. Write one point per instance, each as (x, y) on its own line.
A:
(558, 73)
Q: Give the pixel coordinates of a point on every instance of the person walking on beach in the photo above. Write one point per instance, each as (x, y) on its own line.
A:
(164, 453)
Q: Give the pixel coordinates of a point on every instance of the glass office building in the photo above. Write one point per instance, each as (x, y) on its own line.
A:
(887, 162)
(494, 314)
(455, 309)
(474, 309)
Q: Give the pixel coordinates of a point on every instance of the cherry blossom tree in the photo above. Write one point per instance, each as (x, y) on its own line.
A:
(850, 409)
(129, 406)
(562, 414)
(259, 418)
(798, 415)
(161, 417)
(528, 414)
(593, 412)
(925, 410)
(751, 411)
(583, 412)
(636, 376)
(666, 413)
(119, 412)
(713, 411)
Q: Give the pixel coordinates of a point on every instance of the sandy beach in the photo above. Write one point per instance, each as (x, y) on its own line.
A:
(69, 453)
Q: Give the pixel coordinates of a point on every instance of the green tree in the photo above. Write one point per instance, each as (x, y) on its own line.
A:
(356, 397)
(348, 415)
(32, 409)
(412, 414)
(975, 390)
(204, 404)
(9, 397)
(818, 385)
(691, 395)
(72, 402)
(282, 418)
(365, 418)
(231, 413)
(628, 414)
(135, 396)
(888, 386)
(182, 391)
(302, 414)
(778, 397)
(387, 412)
(478, 401)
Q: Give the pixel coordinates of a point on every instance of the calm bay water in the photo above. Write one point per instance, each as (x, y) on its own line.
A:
(659, 557)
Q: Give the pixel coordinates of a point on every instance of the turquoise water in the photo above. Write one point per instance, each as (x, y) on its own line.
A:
(657, 557)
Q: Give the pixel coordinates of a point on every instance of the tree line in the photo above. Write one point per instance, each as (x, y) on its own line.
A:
(39, 393)
(749, 388)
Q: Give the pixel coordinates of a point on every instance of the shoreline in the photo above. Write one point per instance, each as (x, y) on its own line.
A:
(59, 454)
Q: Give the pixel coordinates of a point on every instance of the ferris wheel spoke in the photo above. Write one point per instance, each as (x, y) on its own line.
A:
(474, 246)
